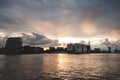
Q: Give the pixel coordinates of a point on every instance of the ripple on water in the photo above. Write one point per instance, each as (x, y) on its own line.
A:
(60, 67)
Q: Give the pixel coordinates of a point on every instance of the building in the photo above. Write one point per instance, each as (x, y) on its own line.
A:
(60, 49)
(88, 48)
(38, 50)
(28, 49)
(109, 49)
(116, 51)
(78, 48)
(51, 48)
(70, 48)
(31, 49)
(97, 50)
(13, 44)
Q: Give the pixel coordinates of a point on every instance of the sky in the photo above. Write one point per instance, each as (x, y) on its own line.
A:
(61, 21)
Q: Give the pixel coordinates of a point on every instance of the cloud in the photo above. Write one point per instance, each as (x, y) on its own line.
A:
(61, 18)
(2, 41)
(105, 43)
(37, 39)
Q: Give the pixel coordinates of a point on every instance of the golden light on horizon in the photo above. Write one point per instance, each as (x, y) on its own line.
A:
(72, 40)
(67, 40)
(2, 34)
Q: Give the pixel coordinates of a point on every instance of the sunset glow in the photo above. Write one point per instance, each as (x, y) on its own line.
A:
(62, 21)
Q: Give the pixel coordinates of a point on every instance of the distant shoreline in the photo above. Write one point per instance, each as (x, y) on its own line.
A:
(59, 53)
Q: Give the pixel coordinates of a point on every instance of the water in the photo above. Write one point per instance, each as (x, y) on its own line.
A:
(60, 67)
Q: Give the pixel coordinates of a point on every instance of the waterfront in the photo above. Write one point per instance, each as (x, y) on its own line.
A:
(60, 67)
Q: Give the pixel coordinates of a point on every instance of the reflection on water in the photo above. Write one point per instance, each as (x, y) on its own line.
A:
(60, 67)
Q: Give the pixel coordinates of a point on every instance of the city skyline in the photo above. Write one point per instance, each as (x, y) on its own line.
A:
(50, 23)
(14, 45)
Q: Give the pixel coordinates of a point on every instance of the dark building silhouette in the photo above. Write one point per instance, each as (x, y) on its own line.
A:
(51, 49)
(38, 50)
(27, 49)
(88, 49)
(60, 49)
(13, 45)
(30, 49)
(2, 50)
(56, 50)
(109, 49)
(116, 51)
(97, 50)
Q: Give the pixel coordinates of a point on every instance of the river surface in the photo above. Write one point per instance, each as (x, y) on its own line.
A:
(60, 67)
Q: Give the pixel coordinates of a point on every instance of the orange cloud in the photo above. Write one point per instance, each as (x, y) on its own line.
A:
(115, 33)
(88, 28)
(52, 29)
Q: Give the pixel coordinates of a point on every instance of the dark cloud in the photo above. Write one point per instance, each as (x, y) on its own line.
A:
(61, 17)
(38, 40)
(4, 3)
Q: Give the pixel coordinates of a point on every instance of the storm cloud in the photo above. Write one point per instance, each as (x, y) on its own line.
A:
(61, 18)
(37, 39)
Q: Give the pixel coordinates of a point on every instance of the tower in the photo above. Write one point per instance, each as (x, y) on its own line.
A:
(13, 44)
